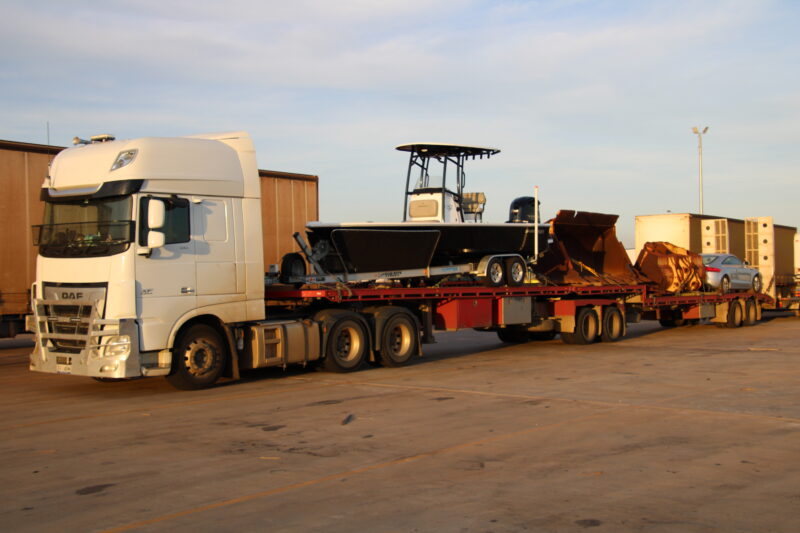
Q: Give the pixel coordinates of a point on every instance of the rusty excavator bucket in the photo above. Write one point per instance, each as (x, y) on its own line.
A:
(585, 251)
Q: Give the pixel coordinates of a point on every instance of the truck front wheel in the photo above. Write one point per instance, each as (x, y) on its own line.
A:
(197, 359)
(346, 346)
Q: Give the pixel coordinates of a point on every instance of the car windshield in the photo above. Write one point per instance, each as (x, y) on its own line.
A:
(85, 228)
(708, 259)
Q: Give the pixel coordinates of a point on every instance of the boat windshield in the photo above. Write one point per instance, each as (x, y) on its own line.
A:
(89, 227)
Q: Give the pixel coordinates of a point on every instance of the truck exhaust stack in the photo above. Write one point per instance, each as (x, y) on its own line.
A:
(585, 251)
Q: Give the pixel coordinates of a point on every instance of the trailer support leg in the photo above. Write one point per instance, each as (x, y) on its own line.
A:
(426, 310)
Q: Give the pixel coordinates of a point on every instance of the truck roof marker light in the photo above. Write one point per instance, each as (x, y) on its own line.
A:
(124, 158)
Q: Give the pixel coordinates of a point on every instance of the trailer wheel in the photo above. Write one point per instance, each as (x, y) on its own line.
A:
(735, 315)
(399, 340)
(613, 325)
(750, 313)
(197, 359)
(495, 275)
(346, 346)
(515, 271)
(513, 335)
(585, 328)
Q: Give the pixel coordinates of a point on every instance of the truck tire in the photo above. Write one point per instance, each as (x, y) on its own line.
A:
(399, 340)
(613, 324)
(495, 273)
(346, 346)
(515, 271)
(750, 313)
(735, 314)
(513, 335)
(586, 327)
(198, 358)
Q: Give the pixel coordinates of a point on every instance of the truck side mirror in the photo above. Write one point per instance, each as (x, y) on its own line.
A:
(156, 214)
(156, 218)
(155, 239)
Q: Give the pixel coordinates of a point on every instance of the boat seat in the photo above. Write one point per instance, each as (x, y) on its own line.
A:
(472, 203)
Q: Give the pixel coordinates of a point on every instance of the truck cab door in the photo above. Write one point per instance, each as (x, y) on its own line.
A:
(215, 251)
(166, 280)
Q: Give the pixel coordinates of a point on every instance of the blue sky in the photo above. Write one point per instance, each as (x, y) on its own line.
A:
(591, 100)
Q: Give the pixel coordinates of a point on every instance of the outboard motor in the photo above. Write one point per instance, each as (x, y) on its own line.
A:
(522, 210)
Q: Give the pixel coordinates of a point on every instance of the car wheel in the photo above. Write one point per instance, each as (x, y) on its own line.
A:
(757, 284)
(725, 285)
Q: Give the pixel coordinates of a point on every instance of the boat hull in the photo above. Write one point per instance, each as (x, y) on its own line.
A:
(374, 247)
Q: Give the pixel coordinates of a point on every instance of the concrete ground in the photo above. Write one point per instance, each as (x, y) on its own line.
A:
(694, 429)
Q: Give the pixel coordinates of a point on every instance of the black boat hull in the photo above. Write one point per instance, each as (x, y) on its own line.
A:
(379, 248)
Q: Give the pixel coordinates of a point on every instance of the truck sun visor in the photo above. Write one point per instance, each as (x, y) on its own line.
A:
(109, 188)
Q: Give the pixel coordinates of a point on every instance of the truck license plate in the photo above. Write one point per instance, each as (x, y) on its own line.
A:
(64, 369)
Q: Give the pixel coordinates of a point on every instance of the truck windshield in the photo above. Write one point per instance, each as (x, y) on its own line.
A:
(89, 227)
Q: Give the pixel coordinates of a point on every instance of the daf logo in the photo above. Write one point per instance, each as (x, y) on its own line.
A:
(71, 295)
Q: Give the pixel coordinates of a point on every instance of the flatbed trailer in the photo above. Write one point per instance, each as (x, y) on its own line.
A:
(579, 314)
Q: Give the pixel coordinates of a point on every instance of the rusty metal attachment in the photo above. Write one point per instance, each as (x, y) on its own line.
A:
(585, 251)
(672, 268)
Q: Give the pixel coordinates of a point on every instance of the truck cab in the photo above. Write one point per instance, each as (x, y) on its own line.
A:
(143, 240)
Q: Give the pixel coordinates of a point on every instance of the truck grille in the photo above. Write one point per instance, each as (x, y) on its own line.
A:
(71, 328)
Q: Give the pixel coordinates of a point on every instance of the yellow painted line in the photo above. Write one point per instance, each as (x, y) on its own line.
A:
(349, 473)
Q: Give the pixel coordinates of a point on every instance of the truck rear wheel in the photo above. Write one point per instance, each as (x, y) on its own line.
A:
(613, 325)
(399, 340)
(197, 359)
(585, 328)
(346, 346)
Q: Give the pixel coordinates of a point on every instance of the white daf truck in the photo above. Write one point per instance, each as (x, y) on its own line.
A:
(146, 245)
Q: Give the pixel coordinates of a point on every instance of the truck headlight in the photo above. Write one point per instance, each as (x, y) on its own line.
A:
(124, 158)
(116, 346)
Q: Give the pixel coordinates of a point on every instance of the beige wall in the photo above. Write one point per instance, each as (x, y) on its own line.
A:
(680, 229)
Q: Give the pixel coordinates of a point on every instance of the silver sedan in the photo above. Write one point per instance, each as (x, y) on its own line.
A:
(726, 272)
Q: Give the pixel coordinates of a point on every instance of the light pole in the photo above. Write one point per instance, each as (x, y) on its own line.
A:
(700, 134)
